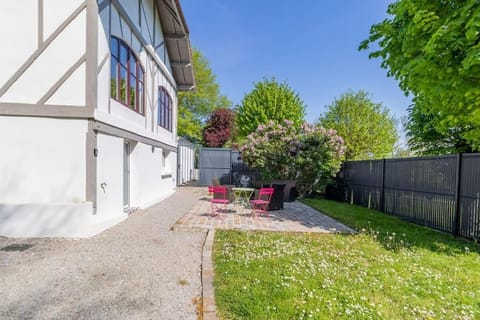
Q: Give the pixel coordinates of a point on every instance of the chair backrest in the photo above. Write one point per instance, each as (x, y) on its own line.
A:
(219, 192)
(265, 194)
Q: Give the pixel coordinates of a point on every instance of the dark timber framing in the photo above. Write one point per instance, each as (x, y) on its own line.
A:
(109, 50)
(40, 23)
(104, 60)
(91, 94)
(103, 5)
(121, 133)
(91, 75)
(91, 166)
(62, 80)
(45, 110)
(40, 50)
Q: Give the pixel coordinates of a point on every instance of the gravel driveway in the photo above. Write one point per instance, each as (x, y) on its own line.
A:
(138, 269)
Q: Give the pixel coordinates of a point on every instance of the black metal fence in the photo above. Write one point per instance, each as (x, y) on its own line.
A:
(225, 166)
(215, 163)
(241, 174)
(439, 192)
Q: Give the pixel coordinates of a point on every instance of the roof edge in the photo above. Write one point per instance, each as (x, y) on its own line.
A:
(182, 16)
(177, 39)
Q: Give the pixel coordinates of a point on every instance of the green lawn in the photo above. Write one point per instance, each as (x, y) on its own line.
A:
(391, 269)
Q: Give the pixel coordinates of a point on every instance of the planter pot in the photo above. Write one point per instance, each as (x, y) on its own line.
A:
(290, 192)
(335, 192)
(276, 203)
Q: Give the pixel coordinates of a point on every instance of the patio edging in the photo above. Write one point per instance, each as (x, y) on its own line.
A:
(208, 291)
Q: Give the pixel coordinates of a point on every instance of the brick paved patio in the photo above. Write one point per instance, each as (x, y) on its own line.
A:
(295, 217)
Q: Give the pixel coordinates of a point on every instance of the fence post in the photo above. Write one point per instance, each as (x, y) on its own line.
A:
(382, 190)
(456, 221)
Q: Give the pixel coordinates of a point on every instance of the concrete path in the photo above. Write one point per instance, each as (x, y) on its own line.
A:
(295, 217)
(139, 269)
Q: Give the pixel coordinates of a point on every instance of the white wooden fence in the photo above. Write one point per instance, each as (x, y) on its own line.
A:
(186, 162)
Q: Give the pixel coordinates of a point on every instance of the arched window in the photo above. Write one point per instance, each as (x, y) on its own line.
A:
(164, 109)
(127, 76)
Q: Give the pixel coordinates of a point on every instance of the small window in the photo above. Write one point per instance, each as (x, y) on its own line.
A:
(127, 76)
(165, 117)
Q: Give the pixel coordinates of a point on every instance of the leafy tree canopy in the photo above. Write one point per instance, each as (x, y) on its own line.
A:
(432, 47)
(218, 129)
(425, 139)
(194, 107)
(366, 127)
(269, 101)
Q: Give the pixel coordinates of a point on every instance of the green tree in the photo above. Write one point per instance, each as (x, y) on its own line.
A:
(195, 107)
(400, 149)
(432, 47)
(268, 101)
(425, 139)
(368, 129)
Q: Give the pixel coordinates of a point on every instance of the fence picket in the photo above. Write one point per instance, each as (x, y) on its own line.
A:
(440, 192)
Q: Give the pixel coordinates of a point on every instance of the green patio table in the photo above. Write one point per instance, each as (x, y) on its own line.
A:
(242, 196)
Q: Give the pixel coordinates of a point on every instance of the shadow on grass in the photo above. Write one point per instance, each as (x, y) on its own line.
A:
(391, 232)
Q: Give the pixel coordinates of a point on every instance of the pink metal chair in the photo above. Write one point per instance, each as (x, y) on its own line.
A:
(219, 199)
(210, 190)
(260, 205)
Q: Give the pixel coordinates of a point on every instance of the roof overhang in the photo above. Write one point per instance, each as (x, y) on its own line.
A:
(176, 35)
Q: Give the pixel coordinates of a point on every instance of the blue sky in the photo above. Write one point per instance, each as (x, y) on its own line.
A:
(311, 44)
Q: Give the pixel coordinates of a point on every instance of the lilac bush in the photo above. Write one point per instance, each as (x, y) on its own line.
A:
(319, 158)
(309, 155)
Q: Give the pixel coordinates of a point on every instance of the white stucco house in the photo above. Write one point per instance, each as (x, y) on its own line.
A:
(88, 111)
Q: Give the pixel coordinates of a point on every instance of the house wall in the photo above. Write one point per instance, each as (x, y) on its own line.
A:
(153, 179)
(141, 30)
(38, 164)
(109, 176)
(46, 58)
(54, 92)
(44, 162)
(42, 185)
(150, 180)
(43, 189)
(151, 176)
